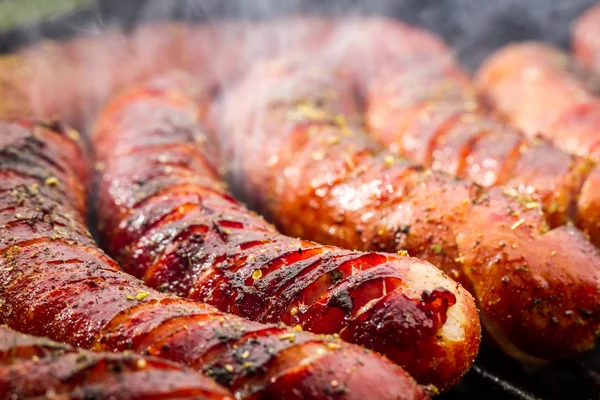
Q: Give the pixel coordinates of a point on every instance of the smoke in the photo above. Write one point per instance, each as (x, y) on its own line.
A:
(474, 28)
(107, 59)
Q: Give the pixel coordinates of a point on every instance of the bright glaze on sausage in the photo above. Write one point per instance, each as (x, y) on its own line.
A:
(55, 282)
(168, 219)
(294, 144)
(536, 88)
(423, 106)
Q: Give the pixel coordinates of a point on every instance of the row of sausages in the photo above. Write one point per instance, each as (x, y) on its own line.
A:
(291, 132)
(55, 282)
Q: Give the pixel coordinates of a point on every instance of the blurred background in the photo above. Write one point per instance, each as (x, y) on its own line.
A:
(474, 28)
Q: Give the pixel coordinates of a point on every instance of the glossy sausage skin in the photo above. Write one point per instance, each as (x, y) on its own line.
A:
(586, 39)
(33, 367)
(295, 148)
(168, 219)
(424, 107)
(536, 87)
(55, 282)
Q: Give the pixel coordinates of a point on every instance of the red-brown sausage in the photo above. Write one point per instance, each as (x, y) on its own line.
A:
(168, 219)
(55, 282)
(72, 79)
(536, 88)
(586, 39)
(421, 104)
(33, 367)
(294, 144)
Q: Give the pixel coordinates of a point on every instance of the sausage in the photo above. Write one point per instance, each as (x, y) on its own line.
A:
(87, 69)
(428, 111)
(92, 67)
(54, 281)
(33, 367)
(585, 40)
(305, 161)
(537, 89)
(168, 219)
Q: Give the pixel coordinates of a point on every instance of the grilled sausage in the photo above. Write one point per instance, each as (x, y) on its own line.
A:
(586, 39)
(33, 367)
(54, 281)
(535, 87)
(420, 104)
(293, 142)
(87, 69)
(169, 220)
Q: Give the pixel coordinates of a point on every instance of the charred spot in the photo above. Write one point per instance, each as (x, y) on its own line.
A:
(197, 238)
(403, 229)
(141, 182)
(342, 300)
(54, 125)
(585, 312)
(115, 366)
(225, 336)
(219, 230)
(15, 158)
(220, 375)
(439, 298)
(81, 358)
(338, 389)
(335, 276)
(92, 284)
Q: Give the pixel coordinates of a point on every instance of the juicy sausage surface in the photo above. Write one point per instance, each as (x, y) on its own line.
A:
(538, 89)
(168, 219)
(55, 282)
(420, 104)
(296, 147)
(33, 367)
